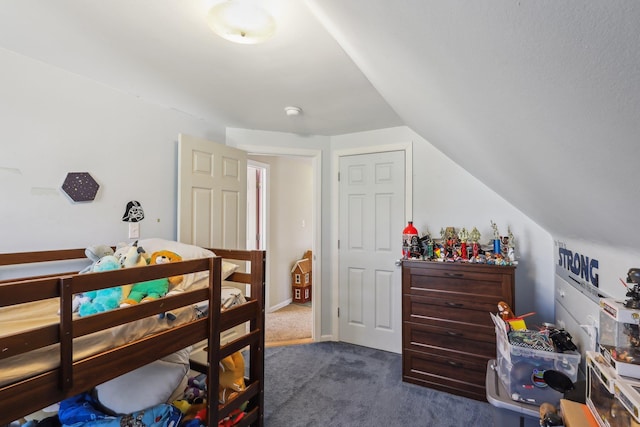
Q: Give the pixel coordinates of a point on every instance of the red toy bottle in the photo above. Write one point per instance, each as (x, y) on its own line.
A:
(408, 235)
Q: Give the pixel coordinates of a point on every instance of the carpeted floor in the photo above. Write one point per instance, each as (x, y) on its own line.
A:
(339, 384)
(291, 322)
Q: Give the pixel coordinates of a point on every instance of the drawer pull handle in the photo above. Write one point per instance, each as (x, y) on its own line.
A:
(454, 334)
(455, 364)
(453, 304)
(454, 274)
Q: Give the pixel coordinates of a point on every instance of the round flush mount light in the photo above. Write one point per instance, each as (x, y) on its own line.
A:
(293, 111)
(241, 21)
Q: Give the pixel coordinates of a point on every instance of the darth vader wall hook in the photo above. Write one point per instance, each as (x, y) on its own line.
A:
(133, 212)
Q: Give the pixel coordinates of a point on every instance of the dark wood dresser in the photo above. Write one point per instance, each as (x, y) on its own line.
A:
(447, 334)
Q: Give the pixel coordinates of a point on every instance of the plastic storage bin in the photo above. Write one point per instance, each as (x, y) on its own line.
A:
(521, 369)
(506, 412)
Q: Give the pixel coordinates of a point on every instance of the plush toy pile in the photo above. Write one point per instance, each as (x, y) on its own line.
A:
(193, 403)
(104, 259)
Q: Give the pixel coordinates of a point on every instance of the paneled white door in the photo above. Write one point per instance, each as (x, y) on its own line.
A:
(371, 211)
(212, 194)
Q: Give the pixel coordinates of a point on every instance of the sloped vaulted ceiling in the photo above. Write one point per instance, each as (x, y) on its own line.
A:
(540, 100)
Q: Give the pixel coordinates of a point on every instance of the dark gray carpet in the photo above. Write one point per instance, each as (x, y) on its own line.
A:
(338, 384)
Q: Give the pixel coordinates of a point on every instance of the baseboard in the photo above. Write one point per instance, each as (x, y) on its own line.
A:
(279, 306)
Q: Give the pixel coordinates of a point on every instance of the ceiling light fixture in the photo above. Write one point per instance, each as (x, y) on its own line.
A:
(293, 111)
(241, 21)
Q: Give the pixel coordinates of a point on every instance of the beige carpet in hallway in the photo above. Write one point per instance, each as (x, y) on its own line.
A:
(290, 323)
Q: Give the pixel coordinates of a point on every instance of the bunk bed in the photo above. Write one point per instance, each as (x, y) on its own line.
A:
(75, 372)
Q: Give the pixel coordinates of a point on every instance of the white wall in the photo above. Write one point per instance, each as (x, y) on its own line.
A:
(289, 226)
(54, 122)
(446, 195)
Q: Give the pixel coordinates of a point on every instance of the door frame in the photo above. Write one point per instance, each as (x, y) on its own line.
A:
(263, 217)
(316, 218)
(407, 147)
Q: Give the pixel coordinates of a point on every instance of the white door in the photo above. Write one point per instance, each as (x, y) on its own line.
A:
(372, 201)
(212, 194)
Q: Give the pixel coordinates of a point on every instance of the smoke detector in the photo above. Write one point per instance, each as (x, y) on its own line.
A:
(293, 111)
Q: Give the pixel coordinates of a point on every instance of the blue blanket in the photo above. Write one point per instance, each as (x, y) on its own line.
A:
(82, 411)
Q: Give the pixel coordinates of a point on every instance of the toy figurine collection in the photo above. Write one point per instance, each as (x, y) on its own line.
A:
(459, 245)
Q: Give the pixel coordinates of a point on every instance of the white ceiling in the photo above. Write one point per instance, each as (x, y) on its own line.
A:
(164, 52)
(539, 99)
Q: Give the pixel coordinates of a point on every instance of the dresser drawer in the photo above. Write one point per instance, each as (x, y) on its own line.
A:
(453, 375)
(470, 370)
(471, 281)
(433, 339)
(423, 284)
(468, 314)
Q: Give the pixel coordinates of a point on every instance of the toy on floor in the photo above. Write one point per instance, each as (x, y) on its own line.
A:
(549, 416)
(196, 388)
(234, 418)
(198, 420)
(193, 403)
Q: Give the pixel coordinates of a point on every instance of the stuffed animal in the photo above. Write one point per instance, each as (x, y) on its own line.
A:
(130, 256)
(196, 388)
(231, 377)
(152, 289)
(164, 257)
(94, 253)
(103, 299)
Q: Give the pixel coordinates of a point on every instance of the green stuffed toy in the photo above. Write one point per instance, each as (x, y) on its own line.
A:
(102, 300)
(152, 289)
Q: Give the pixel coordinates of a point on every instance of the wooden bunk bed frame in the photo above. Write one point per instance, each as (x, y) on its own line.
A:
(71, 377)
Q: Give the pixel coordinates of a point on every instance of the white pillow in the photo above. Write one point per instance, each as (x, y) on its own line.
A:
(186, 251)
(142, 388)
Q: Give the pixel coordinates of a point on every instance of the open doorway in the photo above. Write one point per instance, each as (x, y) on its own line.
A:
(280, 220)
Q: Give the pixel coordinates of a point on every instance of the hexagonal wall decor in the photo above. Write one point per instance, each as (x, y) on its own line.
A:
(80, 186)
